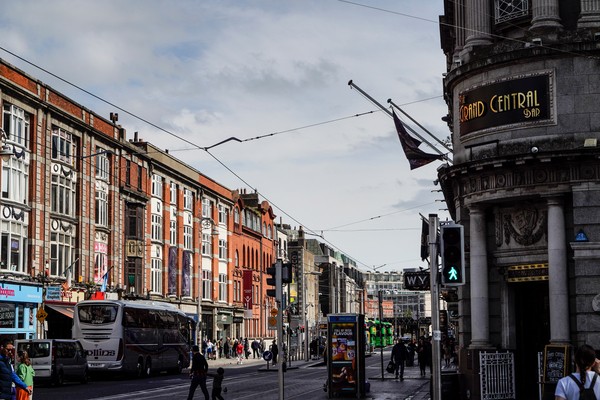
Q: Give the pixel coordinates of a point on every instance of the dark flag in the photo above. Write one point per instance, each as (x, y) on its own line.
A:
(424, 241)
(416, 158)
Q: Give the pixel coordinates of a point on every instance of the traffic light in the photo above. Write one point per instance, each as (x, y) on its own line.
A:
(453, 255)
(286, 273)
(275, 281)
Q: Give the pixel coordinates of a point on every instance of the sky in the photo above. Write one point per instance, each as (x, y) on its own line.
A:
(273, 73)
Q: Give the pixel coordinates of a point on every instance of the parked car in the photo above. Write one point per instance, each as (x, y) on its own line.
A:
(56, 360)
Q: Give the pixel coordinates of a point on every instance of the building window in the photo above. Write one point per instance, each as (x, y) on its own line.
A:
(157, 186)
(222, 287)
(173, 227)
(13, 246)
(62, 247)
(236, 216)
(15, 179)
(134, 223)
(206, 244)
(63, 147)
(173, 192)
(506, 10)
(206, 285)
(62, 199)
(16, 125)
(222, 249)
(127, 172)
(187, 237)
(206, 208)
(139, 177)
(102, 165)
(102, 205)
(156, 275)
(188, 200)
(156, 233)
(222, 214)
(236, 261)
(264, 229)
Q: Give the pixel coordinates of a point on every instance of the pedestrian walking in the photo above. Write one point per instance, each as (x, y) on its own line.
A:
(572, 386)
(7, 374)
(399, 354)
(254, 346)
(274, 351)
(239, 349)
(422, 356)
(198, 373)
(26, 373)
(226, 347)
(218, 384)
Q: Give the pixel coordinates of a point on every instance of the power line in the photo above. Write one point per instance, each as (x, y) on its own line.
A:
(196, 146)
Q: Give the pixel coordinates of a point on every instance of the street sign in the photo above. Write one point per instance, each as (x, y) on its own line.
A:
(272, 322)
(41, 314)
(267, 355)
(274, 312)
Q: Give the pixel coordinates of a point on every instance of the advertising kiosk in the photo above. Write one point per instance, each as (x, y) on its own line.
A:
(346, 355)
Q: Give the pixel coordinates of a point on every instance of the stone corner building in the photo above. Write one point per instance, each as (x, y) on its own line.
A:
(523, 91)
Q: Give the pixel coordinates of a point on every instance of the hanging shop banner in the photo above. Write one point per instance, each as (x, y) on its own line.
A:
(173, 269)
(186, 290)
(524, 100)
(247, 285)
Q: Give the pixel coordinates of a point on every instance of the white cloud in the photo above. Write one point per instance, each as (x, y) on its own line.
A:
(214, 69)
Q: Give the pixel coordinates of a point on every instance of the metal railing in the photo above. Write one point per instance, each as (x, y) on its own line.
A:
(497, 375)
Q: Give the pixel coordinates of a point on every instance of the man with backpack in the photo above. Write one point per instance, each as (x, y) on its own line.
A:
(584, 383)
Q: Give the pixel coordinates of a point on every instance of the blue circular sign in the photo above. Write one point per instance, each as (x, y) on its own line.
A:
(267, 356)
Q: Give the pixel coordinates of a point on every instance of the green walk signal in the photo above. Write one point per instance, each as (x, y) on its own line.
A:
(453, 255)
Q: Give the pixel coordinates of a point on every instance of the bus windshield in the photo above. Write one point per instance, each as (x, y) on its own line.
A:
(97, 314)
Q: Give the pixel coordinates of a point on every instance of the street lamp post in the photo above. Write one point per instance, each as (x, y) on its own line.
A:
(206, 223)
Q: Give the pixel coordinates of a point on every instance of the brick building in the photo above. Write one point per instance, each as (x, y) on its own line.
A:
(88, 213)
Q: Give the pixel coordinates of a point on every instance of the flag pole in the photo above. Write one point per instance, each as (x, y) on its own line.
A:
(353, 85)
(419, 125)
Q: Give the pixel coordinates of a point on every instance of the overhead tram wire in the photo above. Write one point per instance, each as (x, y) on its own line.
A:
(206, 149)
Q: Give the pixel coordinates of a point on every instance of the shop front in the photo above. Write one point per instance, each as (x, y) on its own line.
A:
(19, 304)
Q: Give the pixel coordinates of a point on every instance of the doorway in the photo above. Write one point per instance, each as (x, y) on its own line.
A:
(532, 319)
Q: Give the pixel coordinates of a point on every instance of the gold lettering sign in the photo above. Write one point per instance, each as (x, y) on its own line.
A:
(527, 273)
(515, 101)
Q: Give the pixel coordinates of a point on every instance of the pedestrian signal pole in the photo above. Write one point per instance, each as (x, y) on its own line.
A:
(435, 308)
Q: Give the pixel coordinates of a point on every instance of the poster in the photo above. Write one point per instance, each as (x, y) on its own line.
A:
(342, 330)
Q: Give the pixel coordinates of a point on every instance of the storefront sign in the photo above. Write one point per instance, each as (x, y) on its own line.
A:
(53, 293)
(416, 280)
(523, 100)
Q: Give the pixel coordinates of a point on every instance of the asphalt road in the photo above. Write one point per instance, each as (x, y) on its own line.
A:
(246, 381)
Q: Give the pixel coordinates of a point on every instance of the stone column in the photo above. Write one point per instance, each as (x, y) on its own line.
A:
(545, 15)
(477, 22)
(590, 14)
(558, 290)
(480, 324)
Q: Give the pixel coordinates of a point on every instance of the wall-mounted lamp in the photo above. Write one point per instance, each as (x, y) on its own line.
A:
(6, 151)
(534, 150)
(590, 142)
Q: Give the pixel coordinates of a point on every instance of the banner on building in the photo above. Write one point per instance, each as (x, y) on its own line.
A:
(247, 288)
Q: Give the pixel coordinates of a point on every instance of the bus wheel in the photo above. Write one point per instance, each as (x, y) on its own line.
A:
(148, 369)
(139, 368)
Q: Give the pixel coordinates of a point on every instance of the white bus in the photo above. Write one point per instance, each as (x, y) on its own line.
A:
(139, 337)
